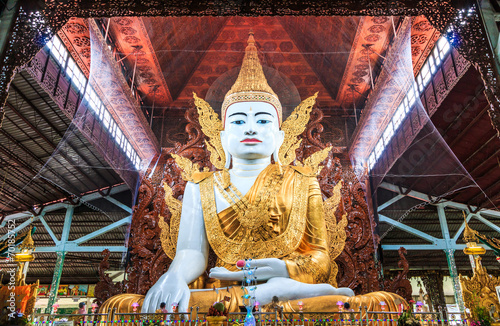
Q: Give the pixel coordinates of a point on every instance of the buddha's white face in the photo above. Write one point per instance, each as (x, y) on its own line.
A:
(251, 130)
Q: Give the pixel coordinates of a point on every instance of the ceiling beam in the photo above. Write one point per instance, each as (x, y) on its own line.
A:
(409, 229)
(21, 226)
(119, 204)
(49, 230)
(389, 203)
(434, 200)
(110, 227)
(487, 222)
(56, 206)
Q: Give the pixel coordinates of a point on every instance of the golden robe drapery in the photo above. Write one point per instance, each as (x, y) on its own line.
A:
(295, 230)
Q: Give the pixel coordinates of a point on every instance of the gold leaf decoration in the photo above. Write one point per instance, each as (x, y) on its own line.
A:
(293, 126)
(188, 167)
(480, 289)
(211, 127)
(336, 231)
(170, 232)
(316, 158)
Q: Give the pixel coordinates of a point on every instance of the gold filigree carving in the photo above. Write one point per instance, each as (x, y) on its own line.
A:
(170, 232)
(316, 158)
(481, 285)
(211, 127)
(336, 231)
(188, 167)
(293, 126)
(251, 84)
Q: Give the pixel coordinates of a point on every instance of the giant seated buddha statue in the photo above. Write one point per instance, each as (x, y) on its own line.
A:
(255, 206)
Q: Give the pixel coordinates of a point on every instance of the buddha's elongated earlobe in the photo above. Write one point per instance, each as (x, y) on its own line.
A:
(277, 150)
(276, 157)
(227, 164)
(228, 159)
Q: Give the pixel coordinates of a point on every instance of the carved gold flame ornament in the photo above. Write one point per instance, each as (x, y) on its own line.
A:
(26, 249)
(470, 239)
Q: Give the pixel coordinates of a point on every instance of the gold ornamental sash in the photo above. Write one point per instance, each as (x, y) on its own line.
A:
(230, 251)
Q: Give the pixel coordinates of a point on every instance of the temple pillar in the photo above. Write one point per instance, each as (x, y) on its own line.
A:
(54, 286)
(457, 290)
(450, 257)
(60, 258)
(433, 283)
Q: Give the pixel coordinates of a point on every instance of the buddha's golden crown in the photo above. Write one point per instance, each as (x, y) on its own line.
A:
(251, 84)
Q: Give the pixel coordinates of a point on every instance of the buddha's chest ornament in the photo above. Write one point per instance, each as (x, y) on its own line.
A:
(243, 229)
(251, 213)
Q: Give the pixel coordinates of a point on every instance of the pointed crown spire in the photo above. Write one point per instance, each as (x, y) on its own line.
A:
(251, 84)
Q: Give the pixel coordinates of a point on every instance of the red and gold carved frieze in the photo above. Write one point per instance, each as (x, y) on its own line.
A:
(423, 38)
(134, 45)
(420, 36)
(109, 83)
(372, 38)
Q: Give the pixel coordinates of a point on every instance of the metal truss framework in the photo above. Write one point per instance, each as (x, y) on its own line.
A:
(73, 246)
(63, 245)
(447, 243)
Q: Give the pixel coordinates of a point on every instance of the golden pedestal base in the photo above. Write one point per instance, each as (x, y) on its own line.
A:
(215, 320)
(204, 299)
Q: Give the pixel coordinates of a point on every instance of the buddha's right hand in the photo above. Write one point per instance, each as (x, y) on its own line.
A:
(169, 288)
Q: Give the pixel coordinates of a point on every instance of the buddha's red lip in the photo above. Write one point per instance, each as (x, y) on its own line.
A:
(251, 140)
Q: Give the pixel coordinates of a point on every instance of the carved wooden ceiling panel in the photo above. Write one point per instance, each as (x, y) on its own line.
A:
(277, 49)
(131, 38)
(423, 37)
(75, 35)
(370, 44)
(179, 44)
(177, 56)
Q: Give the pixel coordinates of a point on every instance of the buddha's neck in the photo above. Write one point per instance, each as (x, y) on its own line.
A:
(249, 168)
